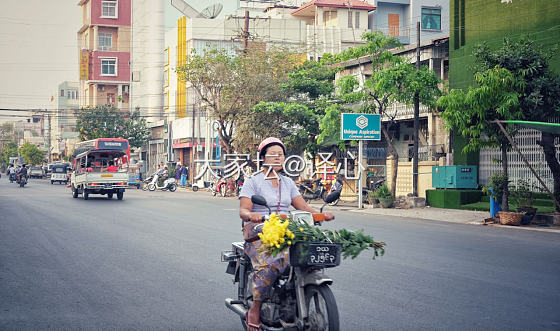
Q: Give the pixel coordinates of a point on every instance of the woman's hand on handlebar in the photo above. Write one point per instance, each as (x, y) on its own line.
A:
(255, 217)
(328, 216)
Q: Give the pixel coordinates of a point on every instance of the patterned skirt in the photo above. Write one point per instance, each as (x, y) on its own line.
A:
(266, 268)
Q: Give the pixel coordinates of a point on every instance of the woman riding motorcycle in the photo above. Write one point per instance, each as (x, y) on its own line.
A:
(280, 193)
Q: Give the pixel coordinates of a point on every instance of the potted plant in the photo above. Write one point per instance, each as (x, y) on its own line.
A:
(524, 198)
(497, 184)
(384, 195)
(373, 200)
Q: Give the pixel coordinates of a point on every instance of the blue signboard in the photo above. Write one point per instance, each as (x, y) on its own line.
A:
(360, 127)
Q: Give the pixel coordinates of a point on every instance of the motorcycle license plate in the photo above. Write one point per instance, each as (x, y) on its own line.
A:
(308, 254)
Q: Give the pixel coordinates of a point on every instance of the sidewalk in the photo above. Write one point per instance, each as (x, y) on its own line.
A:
(437, 214)
(424, 213)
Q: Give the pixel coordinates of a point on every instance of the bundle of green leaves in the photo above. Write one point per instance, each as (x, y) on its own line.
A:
(352, 242)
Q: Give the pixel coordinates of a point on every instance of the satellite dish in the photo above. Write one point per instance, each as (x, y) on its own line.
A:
(185, 8)
(212, 11)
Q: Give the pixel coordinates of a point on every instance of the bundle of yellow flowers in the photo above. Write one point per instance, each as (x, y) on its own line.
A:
(278, 234)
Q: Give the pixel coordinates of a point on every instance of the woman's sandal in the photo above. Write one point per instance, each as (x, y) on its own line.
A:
(251, 325)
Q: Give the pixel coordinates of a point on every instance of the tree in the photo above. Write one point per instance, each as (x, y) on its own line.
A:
(109, 122)
(472, 113)
(229, 86)
(9, 149)
(538, 87)
(296, 119)
(393, 80)
(31, 154)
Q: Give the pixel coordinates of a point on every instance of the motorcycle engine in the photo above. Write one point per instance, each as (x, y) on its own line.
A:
(280, 306)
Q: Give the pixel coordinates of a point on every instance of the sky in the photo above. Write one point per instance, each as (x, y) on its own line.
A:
(38, 39)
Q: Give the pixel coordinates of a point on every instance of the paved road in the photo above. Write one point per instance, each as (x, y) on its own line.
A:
(151, 262)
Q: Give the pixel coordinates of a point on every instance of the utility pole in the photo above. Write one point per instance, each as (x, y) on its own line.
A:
(49, 138)
(246, 32)
(193, 153)
(416, 120)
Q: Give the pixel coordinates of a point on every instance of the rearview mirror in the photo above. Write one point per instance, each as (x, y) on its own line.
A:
(332, 197)
(258, 200)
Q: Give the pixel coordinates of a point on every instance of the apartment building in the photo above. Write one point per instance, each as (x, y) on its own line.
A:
(398, 18)
(63, 134)
(105, 45)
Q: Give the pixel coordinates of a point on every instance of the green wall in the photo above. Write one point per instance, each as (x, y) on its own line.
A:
(475, 21)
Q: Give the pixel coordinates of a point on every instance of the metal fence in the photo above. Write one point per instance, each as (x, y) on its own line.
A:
(526, 140)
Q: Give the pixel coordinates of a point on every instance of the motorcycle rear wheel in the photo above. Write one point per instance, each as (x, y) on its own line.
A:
(321, 308)
(172, 187)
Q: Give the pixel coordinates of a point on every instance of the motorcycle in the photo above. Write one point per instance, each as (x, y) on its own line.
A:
(336, 186)
(300, 299)
(220, 186)
(21, 180)
(239, 183)
(308, 193)
(12, 177)
(146, 182)
(374, 182)
(168, 184)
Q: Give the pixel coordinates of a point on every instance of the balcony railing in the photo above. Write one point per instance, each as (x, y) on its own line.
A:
(401, 33)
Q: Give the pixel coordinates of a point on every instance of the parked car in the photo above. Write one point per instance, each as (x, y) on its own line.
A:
(36, 172)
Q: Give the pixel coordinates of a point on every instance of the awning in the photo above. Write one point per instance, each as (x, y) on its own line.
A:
(189, 145)
(553, 128)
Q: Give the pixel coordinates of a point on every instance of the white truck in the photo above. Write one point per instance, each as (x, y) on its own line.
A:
(100, 172)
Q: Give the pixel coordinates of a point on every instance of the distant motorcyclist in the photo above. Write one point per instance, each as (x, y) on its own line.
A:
(22, 172)
(12, 173)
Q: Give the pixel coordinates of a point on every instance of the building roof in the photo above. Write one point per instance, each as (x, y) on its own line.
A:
(350, 4)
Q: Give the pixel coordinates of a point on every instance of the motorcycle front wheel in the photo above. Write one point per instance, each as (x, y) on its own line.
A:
(151, 187)
(321, 308)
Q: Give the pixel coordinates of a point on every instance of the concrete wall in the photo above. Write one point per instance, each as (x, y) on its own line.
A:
(404, 176)
(147, 57)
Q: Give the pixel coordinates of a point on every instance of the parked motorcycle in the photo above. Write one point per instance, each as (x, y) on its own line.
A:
(21, 180)
(300, 299)
(168, 184)
(309, 193)
(373, 182)
(336, 186)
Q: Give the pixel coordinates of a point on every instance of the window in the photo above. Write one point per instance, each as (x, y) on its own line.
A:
(61, 93)
(166, 78)
(69, 94)
(109, 67)
(105, 41)
(357, 19)
(431, 19)
(109, 9)
(349, 19)
(166, 100)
